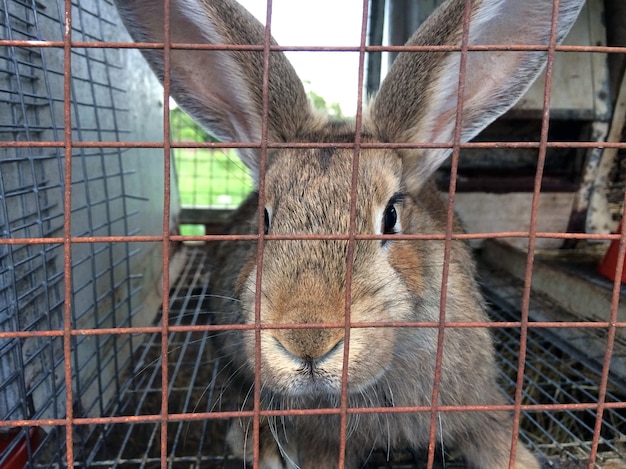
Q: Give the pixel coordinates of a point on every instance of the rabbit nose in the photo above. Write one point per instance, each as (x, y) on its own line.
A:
(310, 344)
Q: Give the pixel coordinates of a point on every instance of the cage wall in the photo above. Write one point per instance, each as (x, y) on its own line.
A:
(115, 191)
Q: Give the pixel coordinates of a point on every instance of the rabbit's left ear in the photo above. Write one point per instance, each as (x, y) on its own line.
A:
(222, 88)
(418, 99)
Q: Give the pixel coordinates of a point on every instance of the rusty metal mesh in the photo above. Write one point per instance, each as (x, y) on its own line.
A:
(565, 403)
(556, 374)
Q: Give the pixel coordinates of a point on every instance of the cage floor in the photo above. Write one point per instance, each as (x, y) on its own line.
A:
(553, 375)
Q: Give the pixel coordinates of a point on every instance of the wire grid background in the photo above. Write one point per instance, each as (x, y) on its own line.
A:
(32, 385)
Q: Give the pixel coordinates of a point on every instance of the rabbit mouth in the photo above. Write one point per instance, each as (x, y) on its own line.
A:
(314, 383)
(302, 388)
(308, 372)
(300, 376)
(313, 389)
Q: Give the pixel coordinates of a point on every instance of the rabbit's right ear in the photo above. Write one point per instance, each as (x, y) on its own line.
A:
(222, 90)
(418, 99)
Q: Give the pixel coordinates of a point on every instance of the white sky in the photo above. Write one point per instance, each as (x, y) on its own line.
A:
(333, 75)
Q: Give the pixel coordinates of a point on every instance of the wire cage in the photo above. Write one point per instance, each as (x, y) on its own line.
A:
(108, 352)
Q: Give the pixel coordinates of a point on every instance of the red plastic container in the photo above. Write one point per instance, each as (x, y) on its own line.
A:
(19, 455)
(608, 266)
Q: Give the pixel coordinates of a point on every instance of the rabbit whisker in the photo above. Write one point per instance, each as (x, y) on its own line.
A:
(443, 452)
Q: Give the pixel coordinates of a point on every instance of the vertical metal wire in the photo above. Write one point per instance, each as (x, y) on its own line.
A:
(343, 406)
(458, 129)
(166, 224)
(67, 232)
(256, 419)
(532, 230)
(612, 330)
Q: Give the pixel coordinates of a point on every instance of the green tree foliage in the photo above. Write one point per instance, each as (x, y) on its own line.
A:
(320, 103)
(185, 129)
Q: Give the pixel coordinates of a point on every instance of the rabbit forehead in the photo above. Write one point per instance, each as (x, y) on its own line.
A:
(309, 190)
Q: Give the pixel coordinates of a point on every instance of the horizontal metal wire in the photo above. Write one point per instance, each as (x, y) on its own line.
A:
(363, 145)
(313, 48)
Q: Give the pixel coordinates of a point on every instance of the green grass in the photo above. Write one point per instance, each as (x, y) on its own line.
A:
(210, 178)
(192, 230)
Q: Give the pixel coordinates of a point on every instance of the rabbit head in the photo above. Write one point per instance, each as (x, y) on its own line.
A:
(240, 97)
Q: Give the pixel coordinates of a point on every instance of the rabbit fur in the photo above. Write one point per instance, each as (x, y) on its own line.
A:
(307, 191)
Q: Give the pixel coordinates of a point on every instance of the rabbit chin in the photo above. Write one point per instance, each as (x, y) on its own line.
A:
(303, 387)
(306, 389)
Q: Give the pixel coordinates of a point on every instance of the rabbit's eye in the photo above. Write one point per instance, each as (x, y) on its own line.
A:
(266, 221)
(390, 217)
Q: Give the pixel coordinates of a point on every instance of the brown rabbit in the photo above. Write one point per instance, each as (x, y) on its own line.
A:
(307, 191)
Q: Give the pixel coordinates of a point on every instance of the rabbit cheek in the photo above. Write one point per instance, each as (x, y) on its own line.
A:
(371, 353)
(245, 277)
(406, 261)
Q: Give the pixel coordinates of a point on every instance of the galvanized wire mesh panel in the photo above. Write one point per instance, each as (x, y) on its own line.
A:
(556, 373)
(32, 184)
(31, 194)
